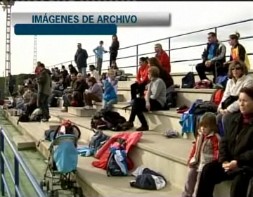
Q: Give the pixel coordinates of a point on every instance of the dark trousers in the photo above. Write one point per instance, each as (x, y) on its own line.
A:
(113, 57)
(139, 106)
(43, 105)
(213, 173)
(216, 68)
(11, 89)
(137, 88)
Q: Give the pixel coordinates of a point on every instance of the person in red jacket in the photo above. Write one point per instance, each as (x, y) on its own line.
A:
(141, 79)
(204, 151)
(163, 57)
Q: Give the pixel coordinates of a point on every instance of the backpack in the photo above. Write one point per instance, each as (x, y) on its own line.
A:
(97, 140)
(117, 161)
(188, 81)
(113, 120)
(97, 121)
(171, 97)
(24, 117)
(36, 115)
(217, 96)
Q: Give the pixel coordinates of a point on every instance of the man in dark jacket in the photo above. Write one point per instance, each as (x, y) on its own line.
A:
(213, 58)
(44, 90)
(12, 84)
(81, 57)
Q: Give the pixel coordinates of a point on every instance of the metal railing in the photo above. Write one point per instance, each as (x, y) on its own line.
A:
(168, 47)
(14, 176)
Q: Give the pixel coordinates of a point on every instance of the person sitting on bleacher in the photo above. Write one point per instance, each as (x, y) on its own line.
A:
(213, 58)
(94, 73)
(141, 79)
(67, 94)
(239, 78)
(163, 57)
(154, 100)
(94, 93)
(25, 96)
(57, 89)
(109, 96)
(162, 73)
(238, 52)
(72, 69)
(111, 77)
(81, 86)
(235, 152)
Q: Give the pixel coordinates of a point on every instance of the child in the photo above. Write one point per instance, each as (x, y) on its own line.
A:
(205, 150)
(109, 96)
(111, 76)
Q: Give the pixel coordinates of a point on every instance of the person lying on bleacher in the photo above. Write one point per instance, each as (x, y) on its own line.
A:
(238, 52)
(94, 93)
(142, 80)
(67, 95)
(154, 100)
(235, 153)
(162, 73)
(238, 78)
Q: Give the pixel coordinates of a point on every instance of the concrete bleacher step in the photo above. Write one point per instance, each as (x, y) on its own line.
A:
(186, 96)
(80, 111)
(167, 156)
(24, 142)
(94, 181)
(159, 121)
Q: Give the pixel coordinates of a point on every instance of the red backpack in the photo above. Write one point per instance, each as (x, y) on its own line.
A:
(217, 96)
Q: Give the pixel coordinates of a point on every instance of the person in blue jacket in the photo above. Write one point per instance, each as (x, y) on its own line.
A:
(109, 96)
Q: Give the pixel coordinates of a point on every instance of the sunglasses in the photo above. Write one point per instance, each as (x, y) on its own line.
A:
(236, 68)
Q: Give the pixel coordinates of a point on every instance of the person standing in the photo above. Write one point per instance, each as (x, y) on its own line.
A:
(99, 51)
(44, 90)
(81, 57)
(11, 84)
(114, 49)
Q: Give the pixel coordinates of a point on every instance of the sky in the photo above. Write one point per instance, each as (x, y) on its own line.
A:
(186, 17)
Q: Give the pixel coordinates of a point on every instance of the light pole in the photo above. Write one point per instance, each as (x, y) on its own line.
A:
(6, 5)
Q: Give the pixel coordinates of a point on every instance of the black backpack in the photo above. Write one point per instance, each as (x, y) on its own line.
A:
(113, 119)
(24, 117)
(171, 97)
(117, 167)
(188, 81)
(97, 140)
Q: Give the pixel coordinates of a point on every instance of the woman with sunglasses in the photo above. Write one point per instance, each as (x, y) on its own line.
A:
(238, 78)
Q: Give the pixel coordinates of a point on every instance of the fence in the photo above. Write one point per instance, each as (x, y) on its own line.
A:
(176, 48)
(14, 176)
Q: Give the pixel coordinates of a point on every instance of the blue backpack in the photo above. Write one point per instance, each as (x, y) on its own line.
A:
(117, 161)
